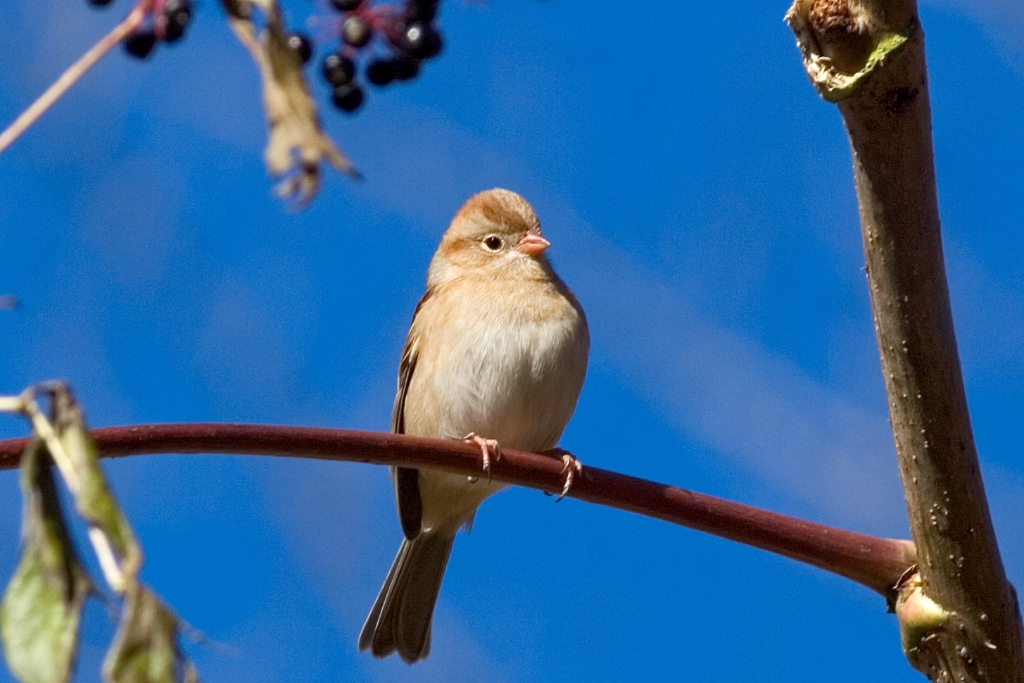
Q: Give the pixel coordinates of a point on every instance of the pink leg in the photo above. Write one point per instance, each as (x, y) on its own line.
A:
(571, 468)
(486, 447)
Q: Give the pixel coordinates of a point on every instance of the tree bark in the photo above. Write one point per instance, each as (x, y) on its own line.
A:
(888, 119)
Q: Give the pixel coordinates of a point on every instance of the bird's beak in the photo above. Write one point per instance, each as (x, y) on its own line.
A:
(532, 244)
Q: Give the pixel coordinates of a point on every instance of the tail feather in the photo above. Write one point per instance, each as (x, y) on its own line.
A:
(401, 616)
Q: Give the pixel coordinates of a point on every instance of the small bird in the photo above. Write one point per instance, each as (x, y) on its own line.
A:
(496, 355)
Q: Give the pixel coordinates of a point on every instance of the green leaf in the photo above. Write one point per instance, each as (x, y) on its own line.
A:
(42, 606)
(95, 501)
(145, 649)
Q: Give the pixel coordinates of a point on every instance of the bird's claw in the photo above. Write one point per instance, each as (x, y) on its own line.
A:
(487, 446)
(572, 466)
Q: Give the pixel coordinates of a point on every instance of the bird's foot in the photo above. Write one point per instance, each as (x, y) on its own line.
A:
(571, 468)
(487, 447)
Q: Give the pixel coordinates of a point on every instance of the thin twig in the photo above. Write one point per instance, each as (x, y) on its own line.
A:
(73, 74)
(874, 562)
(11, 404)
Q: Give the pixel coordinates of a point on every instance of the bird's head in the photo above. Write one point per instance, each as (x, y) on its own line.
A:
(496, 233)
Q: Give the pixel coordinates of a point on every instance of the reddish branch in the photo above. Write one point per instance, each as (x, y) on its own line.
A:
(874, 562)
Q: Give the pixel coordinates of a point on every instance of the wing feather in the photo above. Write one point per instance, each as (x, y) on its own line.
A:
(406, 479)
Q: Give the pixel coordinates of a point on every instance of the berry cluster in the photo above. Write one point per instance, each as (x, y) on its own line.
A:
(396, 37)
(168, 21)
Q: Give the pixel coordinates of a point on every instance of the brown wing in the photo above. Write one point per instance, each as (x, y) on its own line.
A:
(405, 368)
(406, 479)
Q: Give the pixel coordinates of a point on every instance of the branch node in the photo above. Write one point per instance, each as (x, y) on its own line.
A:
(842, 44)
(918, 615)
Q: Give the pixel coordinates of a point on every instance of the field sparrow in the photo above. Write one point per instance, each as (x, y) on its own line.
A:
(497, 351)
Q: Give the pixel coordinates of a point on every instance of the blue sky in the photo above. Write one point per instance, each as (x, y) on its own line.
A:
(698, 196)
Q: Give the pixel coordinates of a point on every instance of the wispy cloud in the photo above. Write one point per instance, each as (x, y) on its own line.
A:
(1002, 20)
(756, 409)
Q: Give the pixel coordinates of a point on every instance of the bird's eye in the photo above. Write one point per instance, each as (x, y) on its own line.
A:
(493, 243)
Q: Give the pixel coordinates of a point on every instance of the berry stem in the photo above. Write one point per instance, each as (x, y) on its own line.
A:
(381, 19)
(73, 73)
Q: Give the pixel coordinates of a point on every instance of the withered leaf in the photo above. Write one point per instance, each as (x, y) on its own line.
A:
(42, 606)
(145, 649)
(297, 143)
(94, 501)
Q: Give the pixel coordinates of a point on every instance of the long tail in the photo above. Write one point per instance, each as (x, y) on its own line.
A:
(401, 615)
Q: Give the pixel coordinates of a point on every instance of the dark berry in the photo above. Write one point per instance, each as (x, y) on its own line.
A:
(302, 45)
(140, 44)
(100, 3)
(406, 68)
(422, 40)
(380, 71)
(346, 5)
(348, 97)
(421, 10)
(174, 32)
(177, 14)
(355, 31)
(172, 7)
(337, 70)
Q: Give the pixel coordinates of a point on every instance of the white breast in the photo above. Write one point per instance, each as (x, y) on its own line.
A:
(506, 372)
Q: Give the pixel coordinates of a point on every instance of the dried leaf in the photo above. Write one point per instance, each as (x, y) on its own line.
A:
(145, 649)
(297, 143)
(42, 606)
(94, 501)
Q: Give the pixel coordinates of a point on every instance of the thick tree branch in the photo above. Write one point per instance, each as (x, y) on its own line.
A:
(973, 625)
(876, 563)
